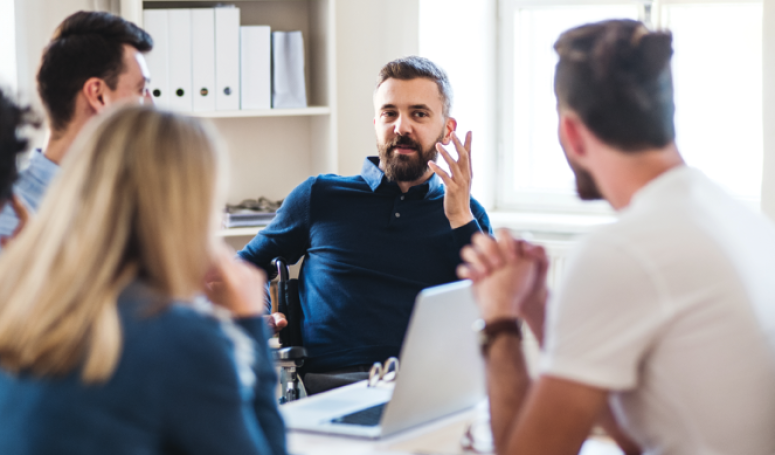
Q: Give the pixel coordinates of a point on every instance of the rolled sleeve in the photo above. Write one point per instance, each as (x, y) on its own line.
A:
(605, 317)
(30, 187)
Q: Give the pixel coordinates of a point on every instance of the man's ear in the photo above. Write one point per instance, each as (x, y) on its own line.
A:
(449, 127)
(94, 91)
(571, 135)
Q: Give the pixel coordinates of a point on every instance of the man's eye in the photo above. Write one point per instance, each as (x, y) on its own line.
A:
(421, 114)
(388, 114)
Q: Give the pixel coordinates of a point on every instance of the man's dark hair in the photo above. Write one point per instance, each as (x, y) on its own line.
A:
(12, 119)
(616, 76)
(85, 45)
(414, 67)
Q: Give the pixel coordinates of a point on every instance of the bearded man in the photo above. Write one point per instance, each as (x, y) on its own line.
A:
(371, 242)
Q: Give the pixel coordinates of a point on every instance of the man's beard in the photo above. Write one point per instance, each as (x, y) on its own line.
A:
(406, 168)
(586, 187)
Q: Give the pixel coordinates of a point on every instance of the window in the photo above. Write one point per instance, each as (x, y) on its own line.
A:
(717, 69)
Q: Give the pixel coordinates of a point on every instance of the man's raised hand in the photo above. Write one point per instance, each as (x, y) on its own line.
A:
(457, 195)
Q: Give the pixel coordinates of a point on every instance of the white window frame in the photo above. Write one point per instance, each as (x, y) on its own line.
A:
(508, 200)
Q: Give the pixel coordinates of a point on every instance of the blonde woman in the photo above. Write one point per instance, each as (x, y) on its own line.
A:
(104, 346)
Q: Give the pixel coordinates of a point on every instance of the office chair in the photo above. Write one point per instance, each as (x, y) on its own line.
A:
(290, 357)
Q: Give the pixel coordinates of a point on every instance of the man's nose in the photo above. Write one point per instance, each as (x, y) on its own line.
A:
(402, 126)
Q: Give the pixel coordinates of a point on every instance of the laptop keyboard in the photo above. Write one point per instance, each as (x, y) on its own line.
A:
(368, 417)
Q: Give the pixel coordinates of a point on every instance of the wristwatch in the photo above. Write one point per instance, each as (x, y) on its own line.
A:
(488, 332)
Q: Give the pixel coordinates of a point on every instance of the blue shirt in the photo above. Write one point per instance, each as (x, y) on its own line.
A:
(30, 187)
(368, 251)
(184, 384)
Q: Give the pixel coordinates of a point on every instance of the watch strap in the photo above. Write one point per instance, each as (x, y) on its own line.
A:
(493, 329)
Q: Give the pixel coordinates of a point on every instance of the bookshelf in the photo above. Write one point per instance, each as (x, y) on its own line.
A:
(240, 232)
(273, 150)
(311, 110)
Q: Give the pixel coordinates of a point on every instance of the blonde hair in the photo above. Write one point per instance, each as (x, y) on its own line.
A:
(136, 198)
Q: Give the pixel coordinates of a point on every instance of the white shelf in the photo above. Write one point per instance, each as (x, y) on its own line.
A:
(273, 150)
(240, 232)
(307, 111)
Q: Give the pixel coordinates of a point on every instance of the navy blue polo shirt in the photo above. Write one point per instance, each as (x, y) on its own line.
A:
(368, 250)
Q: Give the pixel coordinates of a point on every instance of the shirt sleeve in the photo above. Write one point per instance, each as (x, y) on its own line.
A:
(30, 187)
(605, 316)
(206, 407)
(480, 223)
(265, 401)
(287, 235)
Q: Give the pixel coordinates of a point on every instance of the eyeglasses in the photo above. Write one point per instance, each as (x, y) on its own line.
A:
(378, 374)
(478, 437)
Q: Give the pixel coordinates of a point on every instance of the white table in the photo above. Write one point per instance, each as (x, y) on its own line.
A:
(440, 437)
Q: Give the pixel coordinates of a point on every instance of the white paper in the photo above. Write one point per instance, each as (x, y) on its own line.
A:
(288, 88)
(155, 22)
(180, 59)
(256, 67)
(227, 53)
(203, 58)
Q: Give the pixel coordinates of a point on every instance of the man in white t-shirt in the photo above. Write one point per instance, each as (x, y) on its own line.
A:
(663, 329)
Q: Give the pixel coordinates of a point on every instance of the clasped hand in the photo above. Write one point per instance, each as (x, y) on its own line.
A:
(509, 278)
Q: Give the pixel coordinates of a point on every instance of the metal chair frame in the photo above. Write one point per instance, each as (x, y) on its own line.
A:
(290, 357)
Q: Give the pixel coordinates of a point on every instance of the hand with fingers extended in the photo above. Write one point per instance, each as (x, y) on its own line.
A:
(507, 276)
(235, 285)
(457, 193)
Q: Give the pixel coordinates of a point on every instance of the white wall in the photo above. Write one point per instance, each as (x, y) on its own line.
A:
(768, 109)
(459, 35)
(368, 35)
(8, 76)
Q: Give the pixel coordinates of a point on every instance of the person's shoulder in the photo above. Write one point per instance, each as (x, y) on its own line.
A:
(326, 181)
(477, 207)
(336, 179)
(326, 184)
(169, 327)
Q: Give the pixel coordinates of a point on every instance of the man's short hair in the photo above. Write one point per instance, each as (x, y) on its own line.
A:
(414, 67)
(12, 119)
(616, 76)
(85, 45)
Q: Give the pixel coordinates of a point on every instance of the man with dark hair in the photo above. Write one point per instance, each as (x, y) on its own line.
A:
(371, 242)
(666, 316)
(93, 60)
(12, 119)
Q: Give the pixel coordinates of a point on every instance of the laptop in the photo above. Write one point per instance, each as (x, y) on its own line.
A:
(441, 373)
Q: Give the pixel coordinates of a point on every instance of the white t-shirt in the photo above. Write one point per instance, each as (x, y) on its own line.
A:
(672, 309)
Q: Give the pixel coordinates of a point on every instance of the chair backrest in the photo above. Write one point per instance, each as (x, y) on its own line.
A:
(289, 304)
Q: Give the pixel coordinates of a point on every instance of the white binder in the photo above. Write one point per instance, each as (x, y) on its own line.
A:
(227, 53)
(256, 66)
(180, 59)
(203, 58)
(288, 89)
(155, 23)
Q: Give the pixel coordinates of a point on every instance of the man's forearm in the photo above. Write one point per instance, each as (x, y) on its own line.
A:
(507, 383)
